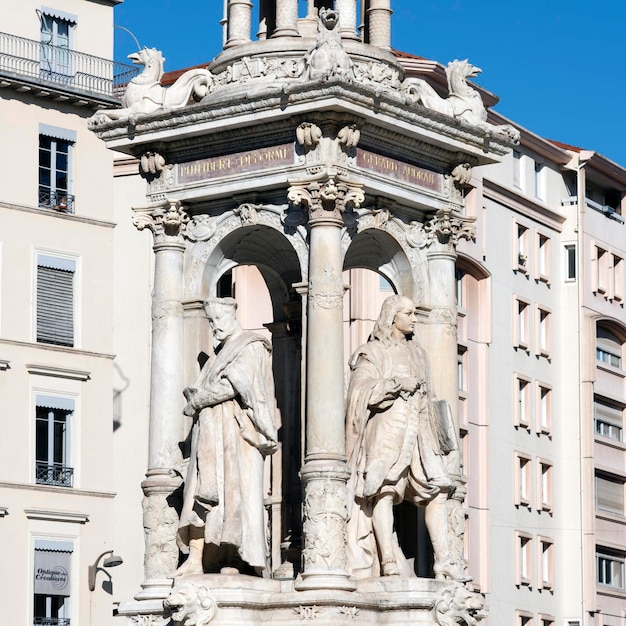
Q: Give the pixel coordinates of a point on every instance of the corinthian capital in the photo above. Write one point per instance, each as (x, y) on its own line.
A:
(167, 221)
(329, 197)
(448, 227)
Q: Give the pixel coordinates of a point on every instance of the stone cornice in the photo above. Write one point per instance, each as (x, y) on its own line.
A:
(50, 348)
(57, 516)
(58, 372)
(62, 491)
(522, 204)
(222, 108)
(57, 215)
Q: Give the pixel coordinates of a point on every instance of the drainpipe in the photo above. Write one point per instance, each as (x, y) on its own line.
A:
(581, 205)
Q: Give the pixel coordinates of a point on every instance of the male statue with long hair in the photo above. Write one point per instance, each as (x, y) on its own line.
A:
(394, 446)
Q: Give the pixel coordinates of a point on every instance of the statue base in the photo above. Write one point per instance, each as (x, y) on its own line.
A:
(220, 599)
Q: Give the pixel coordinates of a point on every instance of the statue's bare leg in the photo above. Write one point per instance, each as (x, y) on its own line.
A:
(382, 521)
(436, 518)
(193, 565)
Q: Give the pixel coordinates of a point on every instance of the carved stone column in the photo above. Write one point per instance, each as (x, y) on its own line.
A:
(239, 22)
(325, 472)
(347, 18)
(379, 21)
(443, 233)
(286, 18)
(167, 224)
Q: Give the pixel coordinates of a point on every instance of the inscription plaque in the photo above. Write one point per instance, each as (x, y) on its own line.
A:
(399, 170)
(236, 163)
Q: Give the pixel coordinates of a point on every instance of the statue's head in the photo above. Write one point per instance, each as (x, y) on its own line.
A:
(393, 312)
(221, 313)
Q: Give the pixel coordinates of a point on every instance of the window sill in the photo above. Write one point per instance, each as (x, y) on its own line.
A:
(617, 371)
(608, 516)
(611, 443)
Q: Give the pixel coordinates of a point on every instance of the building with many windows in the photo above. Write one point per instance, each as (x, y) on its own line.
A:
(56, 334)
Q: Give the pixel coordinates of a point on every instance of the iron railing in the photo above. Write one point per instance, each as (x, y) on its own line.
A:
(53, 474)
(60, 201)
(64, 67)
(51, 621)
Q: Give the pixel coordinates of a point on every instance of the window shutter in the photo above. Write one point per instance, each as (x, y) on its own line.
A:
(610, 495)
(55, 305)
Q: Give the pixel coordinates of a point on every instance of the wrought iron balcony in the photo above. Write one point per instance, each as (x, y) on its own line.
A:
(60, 201)
(54, 474)
(51, 621)
(53, 67)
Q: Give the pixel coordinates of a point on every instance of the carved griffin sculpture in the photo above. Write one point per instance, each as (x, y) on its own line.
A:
(190, 604)
(145, 94)
(456, 606)
(327, 57)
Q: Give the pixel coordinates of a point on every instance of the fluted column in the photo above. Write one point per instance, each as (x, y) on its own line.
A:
(325, 473)
(239, 22)
(286, 18)
(445, 230)
(347, 18)
(379, 22)
(167, 224)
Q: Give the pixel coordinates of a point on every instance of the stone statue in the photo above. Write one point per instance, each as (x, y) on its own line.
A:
(144, 94)
(222, 524)
(396, 437)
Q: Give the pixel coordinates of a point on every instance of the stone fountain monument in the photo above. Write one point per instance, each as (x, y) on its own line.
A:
(306, 152)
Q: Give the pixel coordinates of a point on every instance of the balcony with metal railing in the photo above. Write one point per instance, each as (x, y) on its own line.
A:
(51, 621)
(54, 71)
(54, 474)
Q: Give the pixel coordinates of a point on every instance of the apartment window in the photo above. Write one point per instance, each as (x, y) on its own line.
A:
(610, 493)
(546, 565)
(543, 332)
(600, 271)
(524, 558)
(543, 258)
(461, 355)
(540, 181)
(52, 579)
(545, 485)
(521, 250)
(570, 262)
(523, 480)
(523, 619)
(610, 569)
(546, 620)
(608, 419)
(55, 157)
(618, 278)
(53, 417)
(55, 300)
(522, 401)
(56, 43)
(517, 169)
(460, 299)
(608, 347)
(521, 324)
(544, 409)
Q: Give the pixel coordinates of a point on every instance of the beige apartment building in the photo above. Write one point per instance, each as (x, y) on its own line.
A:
(57, 485)
(541, 334)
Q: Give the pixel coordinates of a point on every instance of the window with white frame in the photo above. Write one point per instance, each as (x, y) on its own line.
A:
(521, 250)
(523, 619)
(53, 417)
(546, 564)
(617, 275)
(600, 271)
(522, 309)
(544, 472)
(524, 558)
(610, 569)
(56, 44)
(544, 409)
(608, 347)
(461, 355)
(52, 582)
(545, 620)
(517, 169)
(543, 332)
(540, 181)
(55, 168)
(55, 300)
(543, 257)
(569, 262)
(610, 493)
(523, 489)
(522, 401)
(608, 418)
(460, 295)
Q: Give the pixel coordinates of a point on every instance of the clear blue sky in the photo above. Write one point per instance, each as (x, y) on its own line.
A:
(557, 65)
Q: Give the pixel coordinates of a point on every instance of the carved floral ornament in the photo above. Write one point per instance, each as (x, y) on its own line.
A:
(326, 197)
(447, 227)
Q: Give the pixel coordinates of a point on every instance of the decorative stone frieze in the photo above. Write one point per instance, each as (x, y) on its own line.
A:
(151, 165)
(168, 221)
(447, 227)
(326, 198)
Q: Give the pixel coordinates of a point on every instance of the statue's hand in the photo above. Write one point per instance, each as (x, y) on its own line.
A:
(189, 410)
(410, 384)
(393, 387)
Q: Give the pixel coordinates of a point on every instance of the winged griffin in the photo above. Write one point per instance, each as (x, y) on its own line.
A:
(463, 101)
(145, 94)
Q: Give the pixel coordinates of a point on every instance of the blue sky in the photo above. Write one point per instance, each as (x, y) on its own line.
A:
(557, 65)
